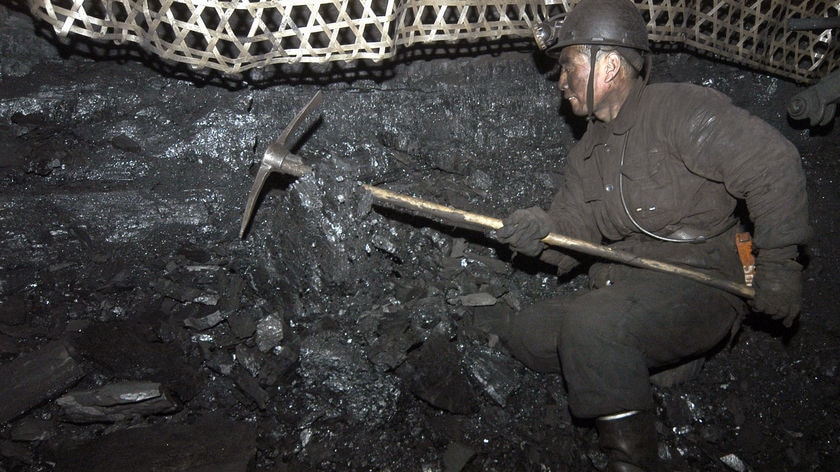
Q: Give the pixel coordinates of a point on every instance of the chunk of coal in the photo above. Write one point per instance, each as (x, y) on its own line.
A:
(125, 143)
(14, 451)
(210, 443)
(497, 374)
(194, 253)
(279, 366)
(8, 345)
(734, 462)
(474, 299)
(242, 324)
(679, 410)
(342, 377)
(230, 288)
(218, 360)
(433, 374)
(270, 333)
(457, 456)
(131, 350)
(249, 358)
(494, 264)
(31, 428)
(34, 377)
(181, 293)
(249, 386)
(117, 402)
(13, 310)
(205, 322)
(390, 349)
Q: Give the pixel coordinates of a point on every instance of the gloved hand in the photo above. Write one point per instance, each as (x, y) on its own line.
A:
(778, 288)
(524, 229)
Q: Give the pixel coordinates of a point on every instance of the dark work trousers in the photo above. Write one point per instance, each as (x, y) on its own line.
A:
(607, 339)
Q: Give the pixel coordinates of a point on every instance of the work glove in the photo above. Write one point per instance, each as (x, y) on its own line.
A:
(524, 229)
(778, 287)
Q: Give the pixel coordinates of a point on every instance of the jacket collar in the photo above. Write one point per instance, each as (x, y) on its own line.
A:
(598, 132)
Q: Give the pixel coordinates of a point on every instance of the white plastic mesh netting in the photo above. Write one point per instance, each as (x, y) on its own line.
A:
(234, 36)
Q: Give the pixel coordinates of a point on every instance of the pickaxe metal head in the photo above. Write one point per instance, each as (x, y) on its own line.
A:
(278, 158)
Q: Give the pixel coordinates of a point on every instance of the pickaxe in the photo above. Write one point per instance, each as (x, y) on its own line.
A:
(278, 158)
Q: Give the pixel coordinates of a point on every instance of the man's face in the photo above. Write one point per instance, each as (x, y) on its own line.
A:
(574, 76)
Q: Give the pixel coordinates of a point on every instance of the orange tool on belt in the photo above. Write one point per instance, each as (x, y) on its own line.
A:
(744, 243)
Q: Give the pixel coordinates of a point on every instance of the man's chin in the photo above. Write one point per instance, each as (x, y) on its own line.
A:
(579, 111)
(576, 107)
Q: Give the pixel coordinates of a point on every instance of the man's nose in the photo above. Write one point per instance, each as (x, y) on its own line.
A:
(562, 82)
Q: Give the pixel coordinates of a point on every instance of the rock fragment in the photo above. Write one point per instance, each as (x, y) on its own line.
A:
(390, 349)
(205, 322)
(457, 456)
(735, 463)
(210, 443)
(270, 333)
(34, 377)
(475, 299)
(117, 402)
(242, 324)
(495, 373)
(433, 374)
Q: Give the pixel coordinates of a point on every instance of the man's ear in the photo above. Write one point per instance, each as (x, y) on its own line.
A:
(611, 66)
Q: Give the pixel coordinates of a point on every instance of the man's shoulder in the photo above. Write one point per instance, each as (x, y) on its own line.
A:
(668, 101)
(683, 90)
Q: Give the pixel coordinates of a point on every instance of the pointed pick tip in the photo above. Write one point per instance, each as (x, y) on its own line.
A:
(246, 219)
(256, 188)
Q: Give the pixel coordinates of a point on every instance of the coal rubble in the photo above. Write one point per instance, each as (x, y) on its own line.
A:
(139, 332)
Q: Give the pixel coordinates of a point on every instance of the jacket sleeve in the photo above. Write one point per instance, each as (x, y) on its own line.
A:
(570, 217)
(752, 159)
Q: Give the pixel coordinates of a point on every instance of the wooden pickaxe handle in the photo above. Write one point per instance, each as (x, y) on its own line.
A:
(462, 218)
(278, 159)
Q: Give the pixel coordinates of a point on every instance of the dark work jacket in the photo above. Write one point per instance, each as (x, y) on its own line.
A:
(689, 155)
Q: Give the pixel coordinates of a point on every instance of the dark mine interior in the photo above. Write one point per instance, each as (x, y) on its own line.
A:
(140, 332)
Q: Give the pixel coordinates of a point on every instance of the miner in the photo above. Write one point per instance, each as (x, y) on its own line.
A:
(661, 171)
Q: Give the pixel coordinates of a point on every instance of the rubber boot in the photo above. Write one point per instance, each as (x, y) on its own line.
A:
(629, 441)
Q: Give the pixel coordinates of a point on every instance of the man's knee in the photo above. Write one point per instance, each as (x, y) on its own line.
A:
(584, 329)
(532, 339)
